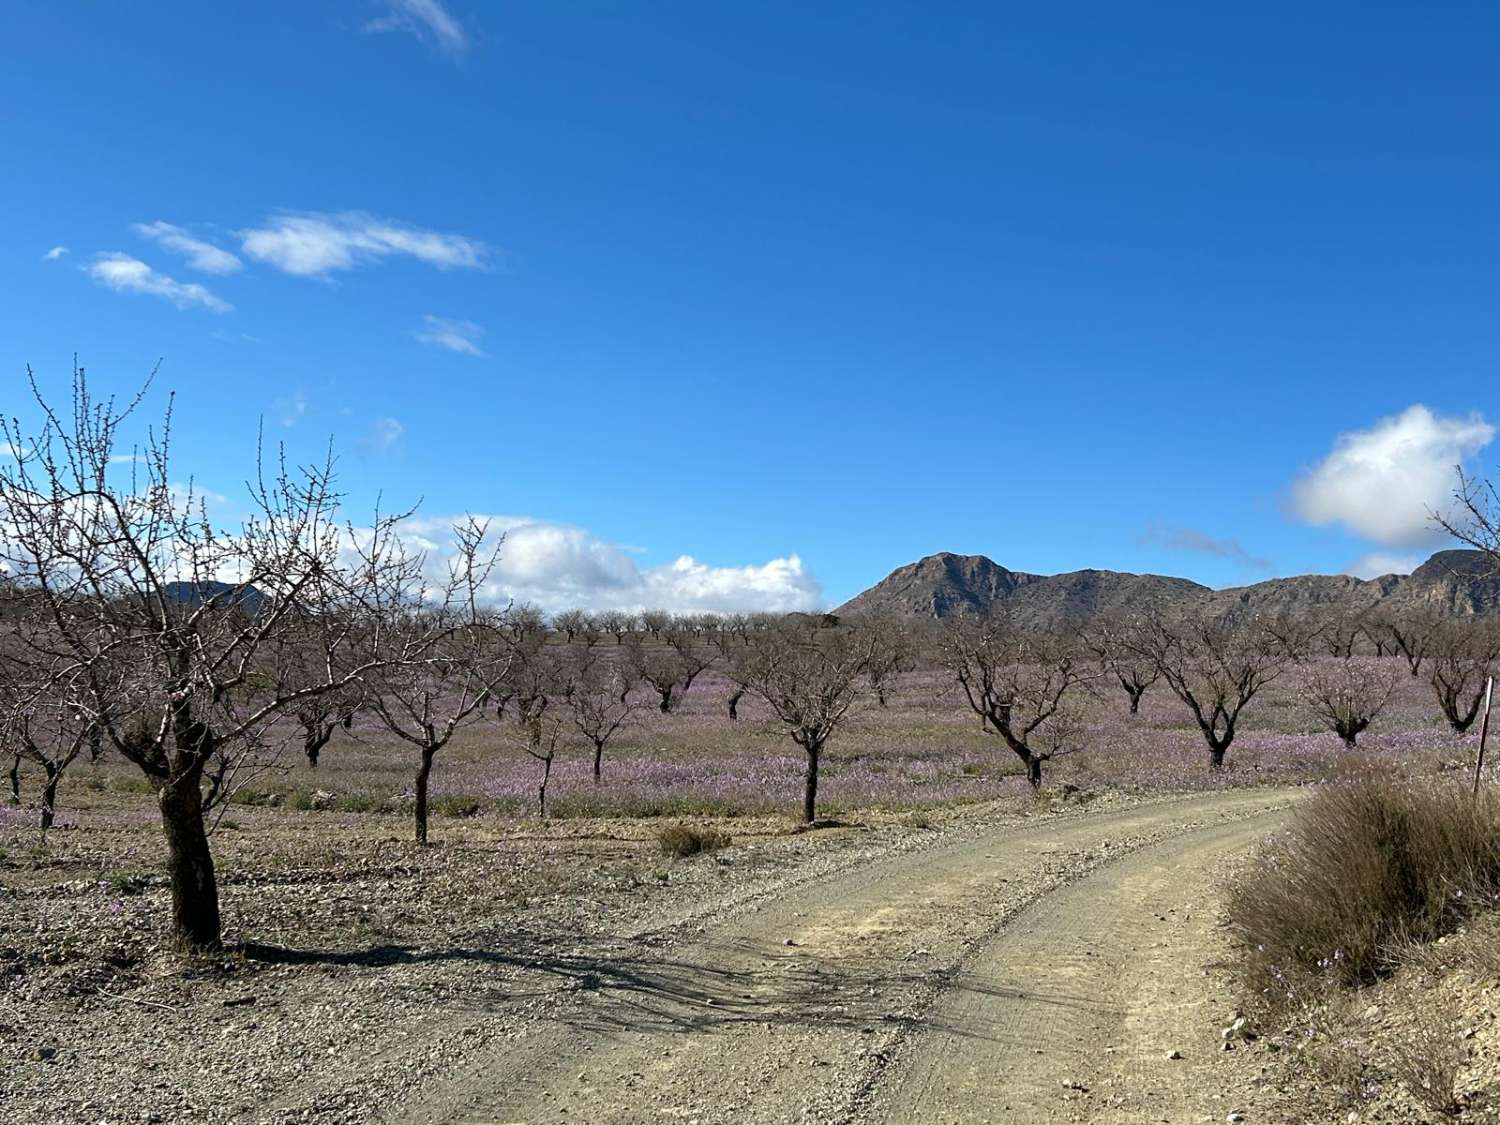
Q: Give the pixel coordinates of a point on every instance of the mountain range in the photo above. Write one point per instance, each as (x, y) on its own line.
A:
(1460, 582)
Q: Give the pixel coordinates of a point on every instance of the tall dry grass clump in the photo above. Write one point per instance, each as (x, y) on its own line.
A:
(1370, 865)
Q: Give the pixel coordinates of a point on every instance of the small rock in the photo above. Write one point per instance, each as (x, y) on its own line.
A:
(1174, 1055)
(44, 1054)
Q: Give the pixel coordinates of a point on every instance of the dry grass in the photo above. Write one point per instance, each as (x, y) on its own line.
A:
(1372, 865)
(683, 840)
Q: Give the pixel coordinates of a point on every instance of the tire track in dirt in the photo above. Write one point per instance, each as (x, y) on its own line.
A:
(815, 1007)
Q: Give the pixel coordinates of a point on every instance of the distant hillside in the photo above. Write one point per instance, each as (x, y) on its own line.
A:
(196, 593)
(945, 585)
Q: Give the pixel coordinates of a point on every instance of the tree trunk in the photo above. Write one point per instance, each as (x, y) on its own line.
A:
(195, 890)
(15, 780)
(1135, 700)
(1034, 771)
(666, 700)
(424, 771)
(810, 792)
(49, 795)
(541, 790)
(734, 704)
(1216, 755)
(598, 761)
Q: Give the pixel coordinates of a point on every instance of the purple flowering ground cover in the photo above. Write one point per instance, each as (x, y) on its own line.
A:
(924, 750)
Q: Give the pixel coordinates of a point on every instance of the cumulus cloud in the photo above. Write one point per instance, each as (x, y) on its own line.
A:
(1188, 539)
(310, 244)
(428, 20)
(200, 255)
(1379, 563)
(557, 567)
(456, 335)
(1383, 483)
(125, 274)
(55, 253)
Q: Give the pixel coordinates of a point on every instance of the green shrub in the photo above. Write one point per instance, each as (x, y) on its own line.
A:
(458, 805)
(302, 800)
(1372, 863)
(683, 840)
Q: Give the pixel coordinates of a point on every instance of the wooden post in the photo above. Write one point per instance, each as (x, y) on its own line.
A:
(1484, 730)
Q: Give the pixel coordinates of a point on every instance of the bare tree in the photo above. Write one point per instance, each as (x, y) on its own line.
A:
(617, 624)
(456, 656)
(669, 667)
(1111, 644)
(1463, 655)
(597, 697)
(810, 683)
(538, 682)
(1347, 693)
(656, 622)
(1019, 683)
(891, 651)
(45, 712)
(1340, 632)
(570, 622)
(168, 631)
(1410, 632)
(1215, 667)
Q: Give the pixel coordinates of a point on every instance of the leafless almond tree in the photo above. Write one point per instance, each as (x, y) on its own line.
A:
(170, 631)
(1111, 644)
(1020, 683)
(597, 698)
(456, 655)
(1464, 654)
(810, 683)
(1216, 667)
(1348, 693)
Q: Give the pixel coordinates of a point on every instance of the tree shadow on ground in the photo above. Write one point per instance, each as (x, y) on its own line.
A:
(633, 987)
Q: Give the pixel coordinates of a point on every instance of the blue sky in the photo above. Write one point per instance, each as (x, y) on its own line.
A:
(803, 292)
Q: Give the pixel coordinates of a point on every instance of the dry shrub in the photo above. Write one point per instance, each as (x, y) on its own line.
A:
(683, 840)
(1369, 865)
(1428, 1060)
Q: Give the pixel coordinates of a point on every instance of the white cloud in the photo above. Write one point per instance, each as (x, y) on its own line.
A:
(1383, 483)
(428, 20)
(55, 253)
(386, 432)
(557, 567)
(130, 275)
(291, 409)
(1378, 563)
(200, 255)
(455, 335)
(314, 245)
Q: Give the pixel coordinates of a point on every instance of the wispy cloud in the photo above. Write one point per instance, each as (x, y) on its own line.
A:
(455, 335)
(1384, 483)
(55, 253)
(289, 410)
(1378, 563)
(200, 255)
(386, 432)
(428, 20)
(1189, 539)
(125, 274)
(310, 244)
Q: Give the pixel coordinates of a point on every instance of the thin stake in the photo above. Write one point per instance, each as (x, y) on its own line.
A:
(1484, 730)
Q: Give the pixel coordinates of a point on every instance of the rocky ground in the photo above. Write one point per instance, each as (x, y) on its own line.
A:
(359, 964)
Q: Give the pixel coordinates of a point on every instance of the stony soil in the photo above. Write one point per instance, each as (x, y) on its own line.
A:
(569, 971)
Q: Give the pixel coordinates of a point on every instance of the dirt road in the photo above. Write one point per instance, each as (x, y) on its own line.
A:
(1038, 973)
